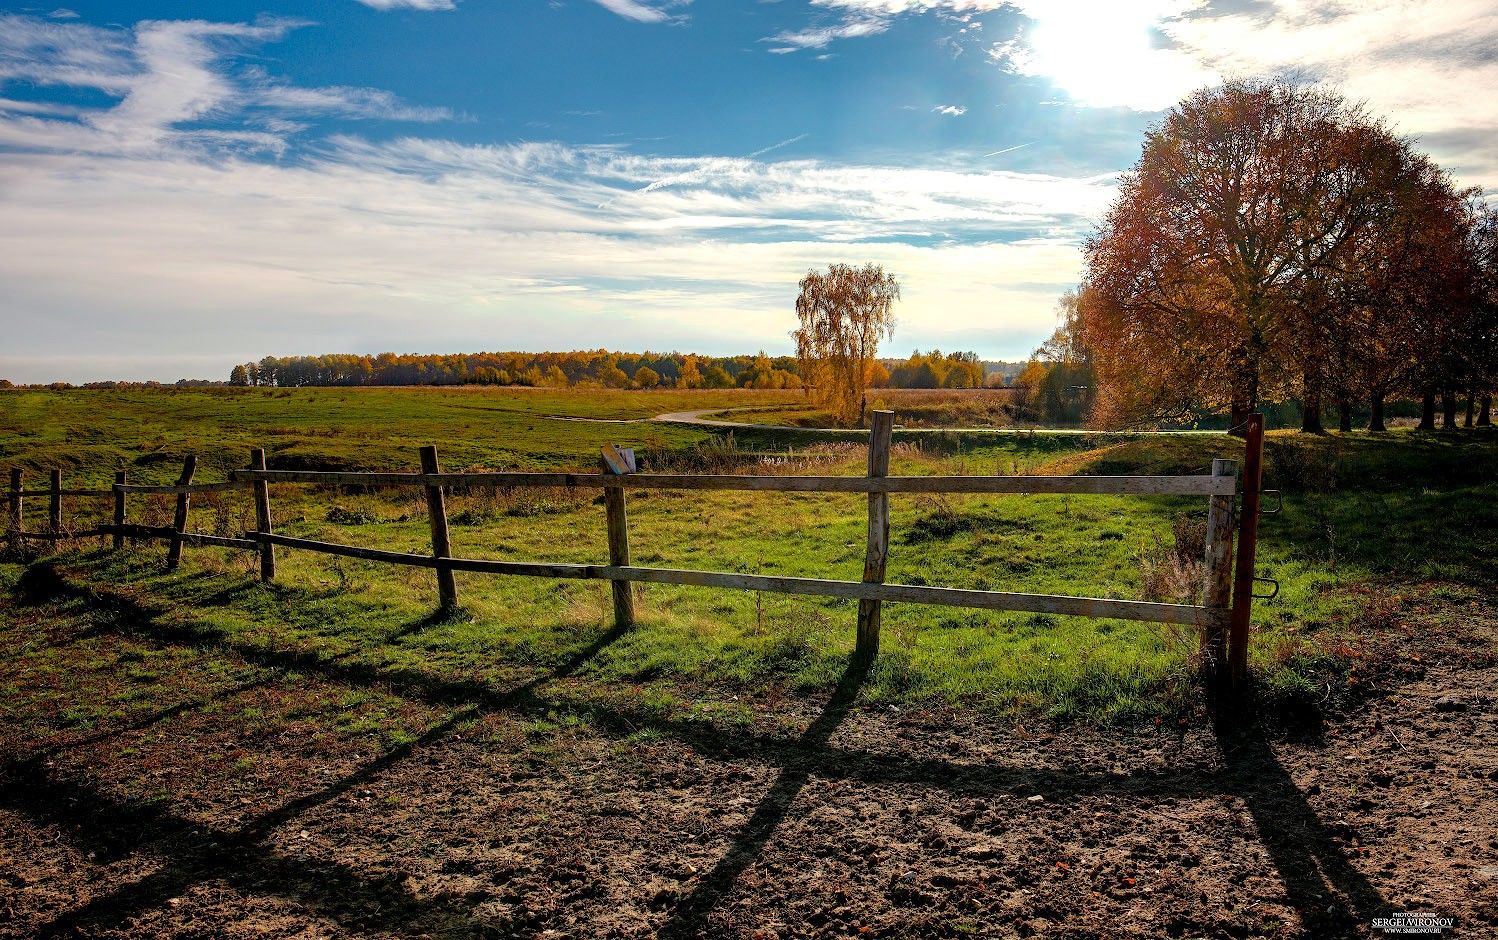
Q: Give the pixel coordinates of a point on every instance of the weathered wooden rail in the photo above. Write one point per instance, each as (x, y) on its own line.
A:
(1222, 617)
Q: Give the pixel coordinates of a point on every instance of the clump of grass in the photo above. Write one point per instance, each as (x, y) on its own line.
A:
(342, 515)
(1174, 572)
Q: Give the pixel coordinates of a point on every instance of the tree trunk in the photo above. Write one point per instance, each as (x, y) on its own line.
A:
(1245, 378)
(1344, 415)
(1238, 419)
(1428, 412)
(1448, 411)
(1471, 407)
(1376, 415)
(1310, 419)
(1485, 412)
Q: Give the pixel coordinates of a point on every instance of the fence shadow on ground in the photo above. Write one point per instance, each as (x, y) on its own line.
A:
(1309, 861)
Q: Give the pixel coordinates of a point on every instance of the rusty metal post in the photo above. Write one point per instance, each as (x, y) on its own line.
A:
(1248, 535)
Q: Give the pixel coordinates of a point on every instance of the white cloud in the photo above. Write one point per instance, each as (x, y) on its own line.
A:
(637, 11)
(123, 224)
(344, 101)
(178, 81)
(896, 7)
(429, 5)
(167, 74)
(434, 244)
(67, 54)
(952, 110)
(819, 37)
(1427, 64)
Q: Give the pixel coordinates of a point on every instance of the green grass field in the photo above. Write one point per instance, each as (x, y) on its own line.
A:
(1365, 517)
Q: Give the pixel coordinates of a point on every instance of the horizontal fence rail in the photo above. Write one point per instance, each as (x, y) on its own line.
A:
(1222, 605)
(854, 590)
(1203, 485)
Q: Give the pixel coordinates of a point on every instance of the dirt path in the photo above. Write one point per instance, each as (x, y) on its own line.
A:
(492, 818)
(695, 417)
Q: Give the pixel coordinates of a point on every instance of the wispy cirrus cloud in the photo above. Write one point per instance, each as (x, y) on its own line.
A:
(344, 101)
(639, 11)
(820, 37)
(429, 5)
(170, 77)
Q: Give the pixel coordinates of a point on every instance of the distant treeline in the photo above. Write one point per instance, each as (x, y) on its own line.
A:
(606, 369)
(112, 383)
(596, 368)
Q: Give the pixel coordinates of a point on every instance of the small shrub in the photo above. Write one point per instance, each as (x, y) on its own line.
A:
(1174, 572)
(340, 515)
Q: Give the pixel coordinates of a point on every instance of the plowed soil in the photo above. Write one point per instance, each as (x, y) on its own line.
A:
(242, 810)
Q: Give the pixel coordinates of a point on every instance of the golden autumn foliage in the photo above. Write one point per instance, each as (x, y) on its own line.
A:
(844, 313)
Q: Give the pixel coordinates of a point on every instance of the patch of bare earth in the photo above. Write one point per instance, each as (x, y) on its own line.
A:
(240, 811)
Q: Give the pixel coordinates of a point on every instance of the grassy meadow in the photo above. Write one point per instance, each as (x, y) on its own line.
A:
(1366, 518)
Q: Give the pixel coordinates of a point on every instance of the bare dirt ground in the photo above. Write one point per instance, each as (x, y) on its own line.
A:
(238, 812)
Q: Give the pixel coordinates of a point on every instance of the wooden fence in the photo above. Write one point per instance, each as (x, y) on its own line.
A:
(1223, 617)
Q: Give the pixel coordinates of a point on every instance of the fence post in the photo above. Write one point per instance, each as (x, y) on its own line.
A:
(866, 646)
(1248, 536)
(16, 507)
(262, 518)
(618, 525)
(447, 585)
(119, 510)
(179, 522)
(1218, 591)
(54, 506)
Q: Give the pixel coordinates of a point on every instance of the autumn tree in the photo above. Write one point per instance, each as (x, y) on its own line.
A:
(1221, 255)
(844, 313)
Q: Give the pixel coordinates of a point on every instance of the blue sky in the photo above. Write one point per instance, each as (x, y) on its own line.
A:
(186, 186)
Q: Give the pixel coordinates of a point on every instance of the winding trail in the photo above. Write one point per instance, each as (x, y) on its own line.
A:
(696, 418)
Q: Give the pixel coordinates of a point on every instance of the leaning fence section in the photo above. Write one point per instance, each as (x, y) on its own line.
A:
(1222, 617)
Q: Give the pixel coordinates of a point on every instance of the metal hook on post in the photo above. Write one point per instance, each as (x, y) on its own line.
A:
(1279, 502)
(1272, 594)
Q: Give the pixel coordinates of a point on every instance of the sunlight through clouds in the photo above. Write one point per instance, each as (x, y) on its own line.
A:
(1106, 53)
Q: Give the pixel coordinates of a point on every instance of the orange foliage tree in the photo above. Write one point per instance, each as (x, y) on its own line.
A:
(1232, 267)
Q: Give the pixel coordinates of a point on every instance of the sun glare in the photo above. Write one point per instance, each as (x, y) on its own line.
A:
(1110, 52)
